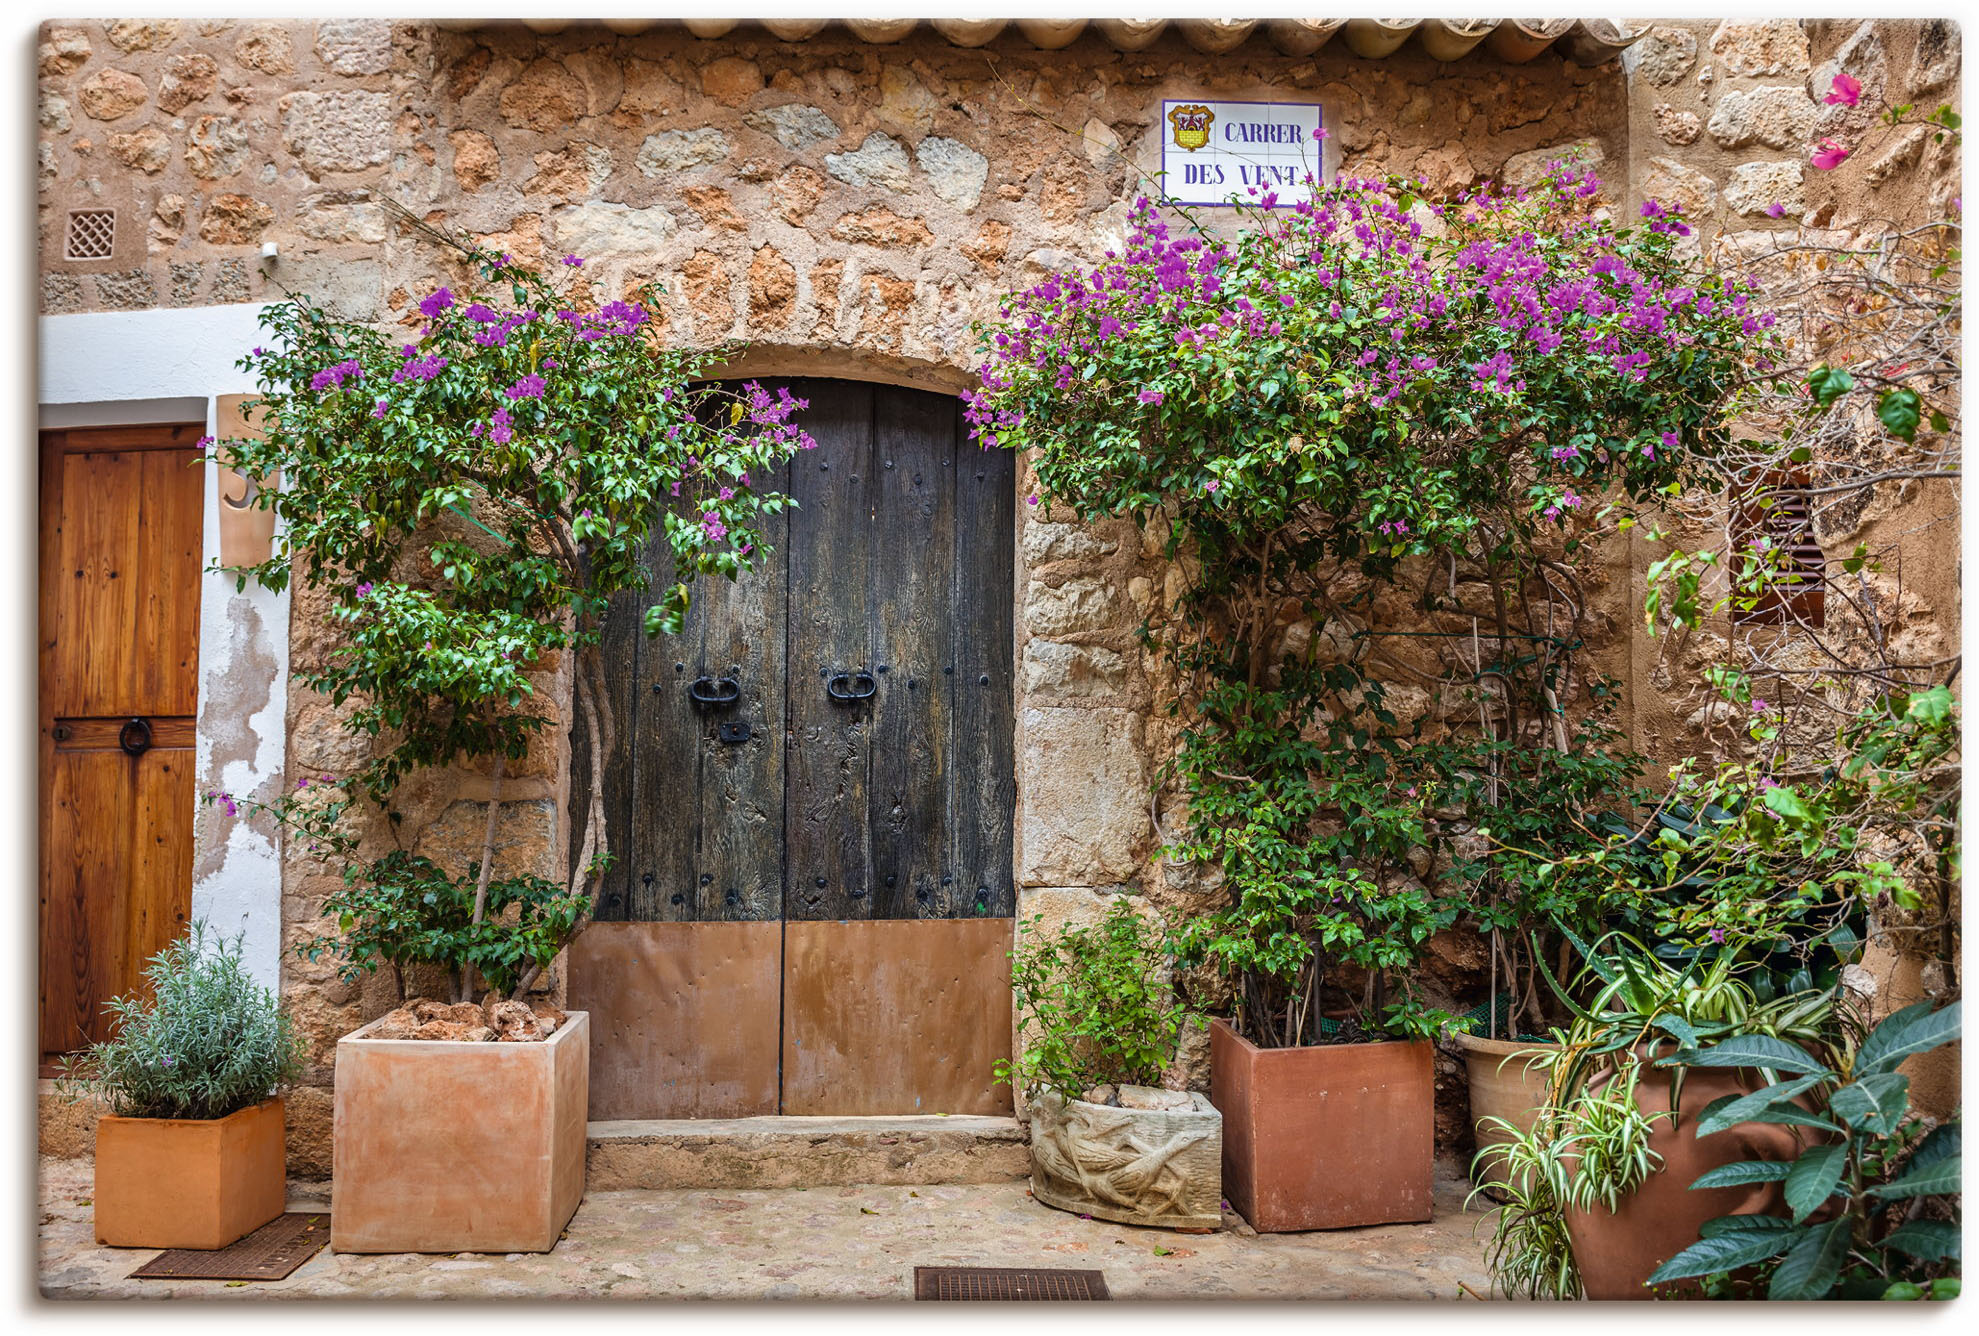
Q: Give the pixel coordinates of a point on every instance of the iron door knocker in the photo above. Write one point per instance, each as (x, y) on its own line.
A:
(846, 688)
(714, 692)
(135, 736)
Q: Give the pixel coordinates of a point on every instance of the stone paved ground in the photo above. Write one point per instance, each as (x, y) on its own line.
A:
(819, 1243)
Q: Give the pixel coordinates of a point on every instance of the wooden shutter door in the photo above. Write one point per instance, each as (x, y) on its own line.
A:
(121, 512)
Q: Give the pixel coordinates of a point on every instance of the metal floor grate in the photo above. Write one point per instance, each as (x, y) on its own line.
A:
(269, 1253)
(996, 1282)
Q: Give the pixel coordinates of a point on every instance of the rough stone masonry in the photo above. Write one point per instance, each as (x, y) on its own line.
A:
(850, 209)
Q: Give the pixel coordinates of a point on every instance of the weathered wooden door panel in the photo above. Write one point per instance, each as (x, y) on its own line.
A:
(120, 559)
(873, 660)
(827, 849)
(683, 1017)
(703, 836)
(896, 1016)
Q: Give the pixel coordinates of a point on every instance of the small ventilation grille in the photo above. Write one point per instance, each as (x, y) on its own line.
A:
(92, 234)
(990, 1282)
(1782, 514)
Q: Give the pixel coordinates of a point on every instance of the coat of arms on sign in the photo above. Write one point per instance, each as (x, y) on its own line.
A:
(1191, 125)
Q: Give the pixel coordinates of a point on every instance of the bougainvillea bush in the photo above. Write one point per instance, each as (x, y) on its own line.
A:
(1370, 395)
(470, 491)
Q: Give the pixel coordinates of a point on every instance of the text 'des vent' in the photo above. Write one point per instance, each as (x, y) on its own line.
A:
(92, 234)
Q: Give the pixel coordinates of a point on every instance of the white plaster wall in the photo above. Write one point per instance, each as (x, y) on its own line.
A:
(117, 367)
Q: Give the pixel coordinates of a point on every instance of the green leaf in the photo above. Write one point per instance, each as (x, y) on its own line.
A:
(1729, 1110)
(1940, 1144)
(1898, 410)
(1810, 1267)
(1813, 1179)
(1916, 1029)
(1829, 383)
(1751, 1050)
(1746, 1222)
(1876, 1103)
(1939, 1178)
(1741, 1172)
(1926, 1240)
(1725, 1252)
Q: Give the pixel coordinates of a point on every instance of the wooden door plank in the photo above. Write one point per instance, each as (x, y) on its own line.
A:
(159, 908)
(94, 654)
(683, 1017)
(740, 629)
(169, 543)
(663, 762)
(913, 552)
(85, 894)
(828, 865)
(896, 1016)
(983, 790)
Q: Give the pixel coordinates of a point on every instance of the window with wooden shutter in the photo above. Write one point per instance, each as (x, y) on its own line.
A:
(1777, 516)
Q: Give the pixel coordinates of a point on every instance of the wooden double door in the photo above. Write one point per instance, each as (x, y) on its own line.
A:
(120, 550)
(812, 800)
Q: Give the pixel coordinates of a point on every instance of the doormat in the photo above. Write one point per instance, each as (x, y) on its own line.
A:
(995, 1282)
(269, 1253)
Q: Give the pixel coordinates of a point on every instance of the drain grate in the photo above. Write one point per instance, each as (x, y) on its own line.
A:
(997, 1282)
(269, 1253)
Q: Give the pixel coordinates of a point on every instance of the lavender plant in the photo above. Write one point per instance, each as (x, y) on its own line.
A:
(207, 1042)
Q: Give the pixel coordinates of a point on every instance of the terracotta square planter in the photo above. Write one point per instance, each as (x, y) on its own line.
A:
(447, 1146)
(189, 1182)
(1325, 1137)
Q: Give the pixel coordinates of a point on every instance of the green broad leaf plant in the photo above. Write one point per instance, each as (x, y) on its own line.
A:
(1872, 1201)
(1378, 436)
(1590, 1143)
(464, 493)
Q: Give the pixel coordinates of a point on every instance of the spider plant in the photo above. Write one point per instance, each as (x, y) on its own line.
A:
(1590, 1145)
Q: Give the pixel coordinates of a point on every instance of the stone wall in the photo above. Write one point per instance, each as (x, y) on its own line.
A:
(850, 209)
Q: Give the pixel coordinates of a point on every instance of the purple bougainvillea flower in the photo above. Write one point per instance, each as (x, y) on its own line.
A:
(529, 387)
(1831, 156)
(1031, 500)
(363, 590)
(382, 406)
(438, 302)
(501, 429)
(1211, 485)
(1776, 210)
(1758, 706)
(302, 783)
(1717, 934)
(1845, 91)
(482, 314)
(1152, 396)
(572, 261)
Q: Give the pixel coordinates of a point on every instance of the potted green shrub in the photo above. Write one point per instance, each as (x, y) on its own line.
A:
(468, 493)
(1098, 1025)
(190, 1153)
(1357, 402)
(1872, 1202)
(1598, 1187)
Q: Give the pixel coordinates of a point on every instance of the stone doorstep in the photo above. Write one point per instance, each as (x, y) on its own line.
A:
(796, 1151)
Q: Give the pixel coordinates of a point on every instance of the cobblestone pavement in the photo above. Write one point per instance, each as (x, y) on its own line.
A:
(817, 1243)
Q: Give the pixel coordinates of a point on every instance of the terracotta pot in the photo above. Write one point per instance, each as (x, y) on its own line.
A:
(1155, 1167)
(1616, 1251)
(1325, 1137)
(189, 1182)
(450, 1146)
(1503, 1084)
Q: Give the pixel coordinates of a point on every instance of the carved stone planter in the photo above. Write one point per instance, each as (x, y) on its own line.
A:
(447, 1146)
(1160, 1167)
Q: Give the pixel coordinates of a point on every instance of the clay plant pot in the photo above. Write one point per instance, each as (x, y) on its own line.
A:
(1615, 1251)
(1325, 1137)
(453, 1146)
(1503, 1084)
(1161, 1167)
(189, 1182)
